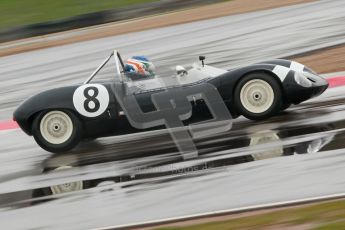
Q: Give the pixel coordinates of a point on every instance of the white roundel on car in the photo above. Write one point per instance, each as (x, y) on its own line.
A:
(91, 100)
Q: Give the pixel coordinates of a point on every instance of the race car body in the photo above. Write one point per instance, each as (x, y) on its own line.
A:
(60, 118)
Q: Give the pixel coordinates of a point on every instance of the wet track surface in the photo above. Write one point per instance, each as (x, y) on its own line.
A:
(141, 177)
(295, 155)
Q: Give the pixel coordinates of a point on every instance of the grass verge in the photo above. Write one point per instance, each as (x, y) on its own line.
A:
(328, 215)
(24, 12)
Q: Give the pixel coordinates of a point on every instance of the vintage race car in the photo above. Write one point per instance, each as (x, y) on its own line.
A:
(60, 118)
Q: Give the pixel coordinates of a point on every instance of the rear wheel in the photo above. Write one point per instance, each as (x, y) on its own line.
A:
(258, 96)
(57, 131)
(285, 105)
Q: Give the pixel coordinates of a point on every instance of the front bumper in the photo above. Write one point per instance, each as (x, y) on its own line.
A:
(20, 117)
(297, 93)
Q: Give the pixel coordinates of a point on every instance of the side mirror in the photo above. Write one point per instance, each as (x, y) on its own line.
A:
(202, 59)
(180, 70)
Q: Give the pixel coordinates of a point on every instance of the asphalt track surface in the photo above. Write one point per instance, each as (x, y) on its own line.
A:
(298, 154)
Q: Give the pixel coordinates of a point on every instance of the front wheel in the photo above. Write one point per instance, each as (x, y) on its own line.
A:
(57, 131)
(258, 96)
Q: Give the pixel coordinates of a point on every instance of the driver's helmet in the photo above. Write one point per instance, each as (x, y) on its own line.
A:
(140, 65)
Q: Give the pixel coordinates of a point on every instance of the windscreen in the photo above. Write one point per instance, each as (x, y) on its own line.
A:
(107, 72)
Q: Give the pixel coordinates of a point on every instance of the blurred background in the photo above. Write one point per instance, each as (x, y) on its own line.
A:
(136, 181)
(20, 13)
(21, 19)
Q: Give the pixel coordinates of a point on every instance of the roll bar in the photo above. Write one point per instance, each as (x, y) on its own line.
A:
(118, 64)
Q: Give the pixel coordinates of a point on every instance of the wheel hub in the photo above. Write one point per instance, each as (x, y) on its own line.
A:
(257, 96)
(56, 127)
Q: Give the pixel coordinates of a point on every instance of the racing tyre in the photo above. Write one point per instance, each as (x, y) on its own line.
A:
(258, 96)
(57, 131)
(285, 105)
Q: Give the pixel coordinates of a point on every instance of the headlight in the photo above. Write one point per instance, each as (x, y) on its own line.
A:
(302, 80)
